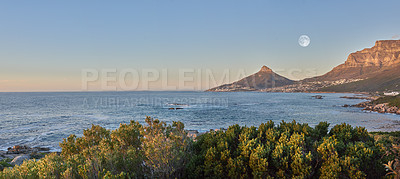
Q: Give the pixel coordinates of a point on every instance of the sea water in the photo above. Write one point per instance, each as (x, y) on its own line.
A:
(45, 118)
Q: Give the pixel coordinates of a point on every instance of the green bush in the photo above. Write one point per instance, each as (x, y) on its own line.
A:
(131, 151)
(158, 150)
(4, 163)
(289, 150)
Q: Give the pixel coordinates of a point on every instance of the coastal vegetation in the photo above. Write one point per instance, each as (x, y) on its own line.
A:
(393, 101)
(160, 150)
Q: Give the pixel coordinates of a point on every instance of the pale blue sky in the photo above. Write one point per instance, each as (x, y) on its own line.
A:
(43, 42)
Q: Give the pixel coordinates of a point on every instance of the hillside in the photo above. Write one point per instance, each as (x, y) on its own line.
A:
(384, 80)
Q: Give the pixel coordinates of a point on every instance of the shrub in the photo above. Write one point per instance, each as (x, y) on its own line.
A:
(159, 150)
(289, 150)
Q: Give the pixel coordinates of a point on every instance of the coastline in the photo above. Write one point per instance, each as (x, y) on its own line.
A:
(309, 92)
(380, 108)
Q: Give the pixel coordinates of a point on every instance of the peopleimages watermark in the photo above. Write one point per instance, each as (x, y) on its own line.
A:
(130, 79)
(163, 102)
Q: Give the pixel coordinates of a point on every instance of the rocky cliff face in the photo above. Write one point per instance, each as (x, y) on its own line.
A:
(362, 64)
(265, 78)
(384, 53)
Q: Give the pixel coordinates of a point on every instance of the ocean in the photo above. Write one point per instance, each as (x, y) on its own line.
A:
(45, 118)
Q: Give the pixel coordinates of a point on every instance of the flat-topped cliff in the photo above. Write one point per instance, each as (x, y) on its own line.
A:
(362, 64)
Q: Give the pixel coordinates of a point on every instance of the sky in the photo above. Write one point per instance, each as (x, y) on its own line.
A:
(51, 45)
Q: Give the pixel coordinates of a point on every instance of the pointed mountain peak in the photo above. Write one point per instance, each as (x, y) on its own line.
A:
(265, 69)
(263, 79)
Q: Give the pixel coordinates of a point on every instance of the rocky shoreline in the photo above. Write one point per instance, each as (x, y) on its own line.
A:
(380, 108)
(17, 154)
(372, 105)
(371, 98)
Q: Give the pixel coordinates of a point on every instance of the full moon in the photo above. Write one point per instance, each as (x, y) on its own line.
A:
(304, 41)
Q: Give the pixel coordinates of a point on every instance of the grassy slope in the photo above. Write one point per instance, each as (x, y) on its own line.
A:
(392, 100)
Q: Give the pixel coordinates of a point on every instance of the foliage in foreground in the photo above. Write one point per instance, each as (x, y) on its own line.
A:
(158, 150)
(5, 163)
(289, 150)
(131, 151)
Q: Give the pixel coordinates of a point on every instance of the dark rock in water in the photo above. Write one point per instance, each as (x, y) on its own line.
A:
(42, 148)
(174, 108)
(19, 159)
(346, 105)
(317, 97)
(19, 149)
(23, 149)
(178, 104)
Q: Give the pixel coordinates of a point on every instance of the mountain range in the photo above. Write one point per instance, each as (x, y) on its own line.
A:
(371, 69)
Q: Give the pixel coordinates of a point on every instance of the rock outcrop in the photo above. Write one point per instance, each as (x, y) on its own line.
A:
(384, 53)
(19, 159)
(263, 79)
(19, 153)
(363, 64)
(381, 108)
(23, 149)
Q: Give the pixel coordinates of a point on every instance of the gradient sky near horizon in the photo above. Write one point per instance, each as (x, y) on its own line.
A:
(44, 45)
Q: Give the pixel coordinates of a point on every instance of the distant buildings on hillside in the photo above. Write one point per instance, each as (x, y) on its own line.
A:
(395, 93)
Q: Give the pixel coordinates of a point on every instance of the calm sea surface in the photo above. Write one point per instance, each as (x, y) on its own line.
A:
(44, 119)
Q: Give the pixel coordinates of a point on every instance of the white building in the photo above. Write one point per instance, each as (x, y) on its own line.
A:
(391, 94)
